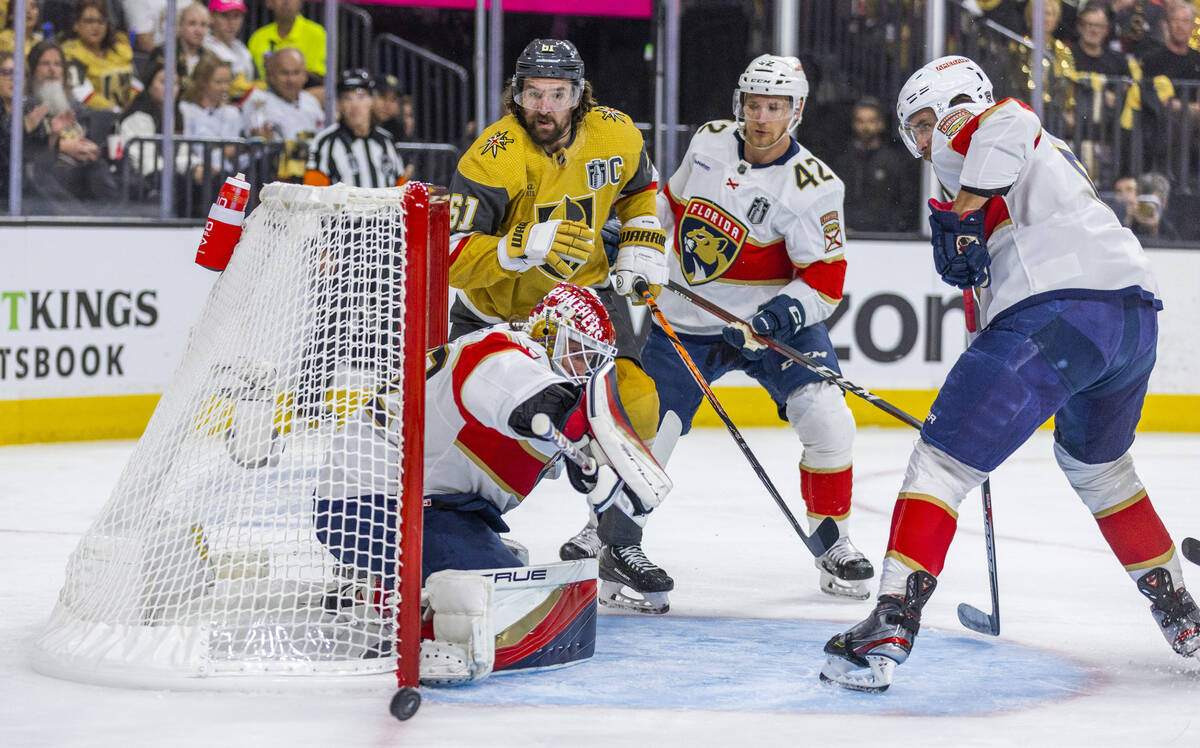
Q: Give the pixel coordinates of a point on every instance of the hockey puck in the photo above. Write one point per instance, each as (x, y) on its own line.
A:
(405, 703)
(1191, 550)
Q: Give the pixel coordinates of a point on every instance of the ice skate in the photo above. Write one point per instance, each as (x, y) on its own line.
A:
(585, 544)
(625, 567)
(865, 657)
(1174, 610)
(844, 571)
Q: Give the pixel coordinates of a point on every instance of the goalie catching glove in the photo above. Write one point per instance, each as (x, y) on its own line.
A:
(641, 254)
(563, 246)
(781, 317)
(959, 246)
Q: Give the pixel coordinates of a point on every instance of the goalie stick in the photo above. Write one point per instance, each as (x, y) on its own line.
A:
(826, 533)
(543, 427)
(970, 616)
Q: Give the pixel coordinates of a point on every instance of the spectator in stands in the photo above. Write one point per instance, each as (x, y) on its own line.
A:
(1138, 24)
(223, 41)
(1150, 211)
(191, 26)
(290, 29)
(354, 151)
(62, 131)
(880, 181)
(388, 110)
(104, 57)
(33, 34)
(285, 111)
(206, 113)
(1091, 52)
(1124, 197)
(144, 119)
(146, 20)
(1173, 59)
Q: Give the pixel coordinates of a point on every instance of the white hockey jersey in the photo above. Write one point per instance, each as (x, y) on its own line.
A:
(1047, 229)
(472, 386)
(739, 234)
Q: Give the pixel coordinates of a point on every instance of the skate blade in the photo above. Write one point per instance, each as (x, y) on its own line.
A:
(854, 590)
(613, 595)
(843, 673)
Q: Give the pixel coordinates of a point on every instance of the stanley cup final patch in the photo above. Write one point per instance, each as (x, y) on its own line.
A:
(831, 226)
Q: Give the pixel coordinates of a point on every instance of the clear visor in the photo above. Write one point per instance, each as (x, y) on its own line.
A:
(576, 354)
(554, 98)
(758, 108)
(917, 130)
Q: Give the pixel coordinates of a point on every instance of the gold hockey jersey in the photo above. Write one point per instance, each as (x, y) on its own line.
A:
(111, 75)
(504, 178)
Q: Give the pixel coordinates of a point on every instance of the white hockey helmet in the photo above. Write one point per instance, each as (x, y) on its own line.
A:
(573, 326)
(935, 86)
(772, 75)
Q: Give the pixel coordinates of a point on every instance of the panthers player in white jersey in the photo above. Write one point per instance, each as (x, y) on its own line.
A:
(1070, 312)
(757, 227)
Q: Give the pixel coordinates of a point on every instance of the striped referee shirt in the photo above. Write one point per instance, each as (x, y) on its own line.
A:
(338, 155)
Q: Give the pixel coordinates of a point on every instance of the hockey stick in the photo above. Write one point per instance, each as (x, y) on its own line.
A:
(826, 533)
(1191, 550)
(543, 427)
(968, 615)
(815, 366)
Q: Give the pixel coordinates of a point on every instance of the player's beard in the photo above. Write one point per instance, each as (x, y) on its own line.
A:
(546, 137)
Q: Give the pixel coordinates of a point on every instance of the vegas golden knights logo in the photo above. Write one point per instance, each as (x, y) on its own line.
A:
(708, 241)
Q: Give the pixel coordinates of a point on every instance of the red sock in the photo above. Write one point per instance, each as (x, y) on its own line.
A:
(826, 491)
(922, 528)
(1135, 533)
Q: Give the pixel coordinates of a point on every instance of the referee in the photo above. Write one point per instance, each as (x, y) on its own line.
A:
(353, 151)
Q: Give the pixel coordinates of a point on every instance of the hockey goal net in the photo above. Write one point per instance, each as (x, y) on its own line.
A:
(213, 559)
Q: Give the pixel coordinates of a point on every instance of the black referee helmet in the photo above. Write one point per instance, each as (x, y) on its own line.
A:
(549, 58)
(355, 80)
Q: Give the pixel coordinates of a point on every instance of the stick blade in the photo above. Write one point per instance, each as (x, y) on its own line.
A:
(978, 621)
(824, 537)
(1191, 550)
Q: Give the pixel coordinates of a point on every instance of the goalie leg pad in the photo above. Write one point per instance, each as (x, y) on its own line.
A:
(544, 616)
(463, 648)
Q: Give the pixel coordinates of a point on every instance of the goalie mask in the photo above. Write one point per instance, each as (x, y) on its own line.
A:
(574, 328)
(771, 75)
(934, 87)
(549, 58)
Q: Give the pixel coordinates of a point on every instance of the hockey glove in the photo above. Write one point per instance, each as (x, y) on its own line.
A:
(563, 246)
(959, 247)
(642, 254)
(782, 316)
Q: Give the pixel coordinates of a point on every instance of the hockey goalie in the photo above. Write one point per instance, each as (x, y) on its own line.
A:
(489, 396)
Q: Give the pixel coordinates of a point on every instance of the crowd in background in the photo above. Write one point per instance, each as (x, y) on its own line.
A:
(1121, 83)
(95, 88)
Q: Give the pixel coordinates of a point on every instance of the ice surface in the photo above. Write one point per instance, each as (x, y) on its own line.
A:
(1079, 662)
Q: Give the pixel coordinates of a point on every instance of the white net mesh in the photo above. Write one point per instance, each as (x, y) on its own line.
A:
(210, 557)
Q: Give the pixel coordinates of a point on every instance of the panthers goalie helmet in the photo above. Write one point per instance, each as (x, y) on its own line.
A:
(772, 75)
(935, 86)
(573, 326)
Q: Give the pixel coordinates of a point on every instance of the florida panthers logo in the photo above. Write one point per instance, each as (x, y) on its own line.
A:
(708, 241)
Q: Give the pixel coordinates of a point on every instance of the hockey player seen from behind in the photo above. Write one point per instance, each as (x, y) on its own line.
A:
(527, 200)
(491, 399)
(757, 227)
(1068, 309)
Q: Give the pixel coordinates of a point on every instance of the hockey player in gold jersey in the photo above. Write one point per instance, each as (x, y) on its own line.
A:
(526, 205)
